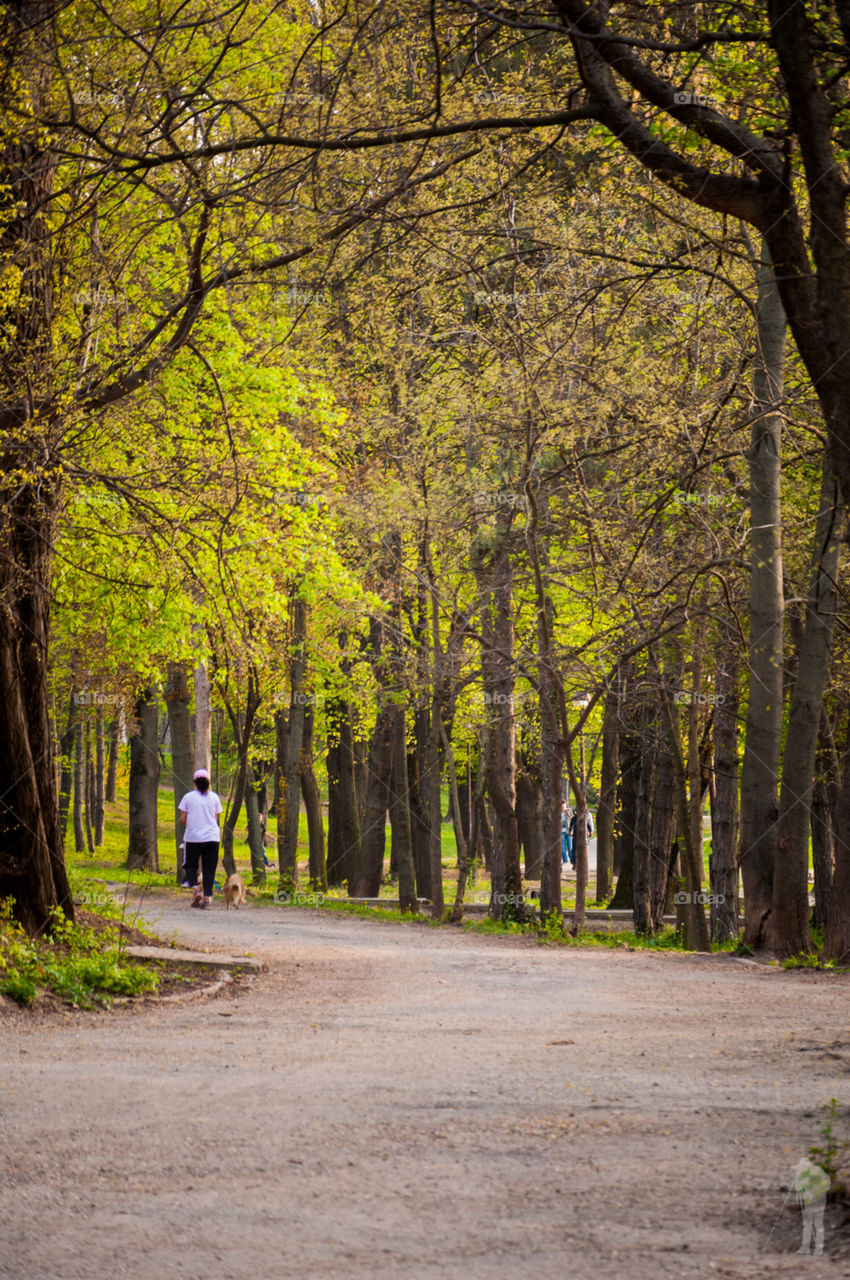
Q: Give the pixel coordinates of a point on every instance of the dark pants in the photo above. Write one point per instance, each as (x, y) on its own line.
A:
(205, 852)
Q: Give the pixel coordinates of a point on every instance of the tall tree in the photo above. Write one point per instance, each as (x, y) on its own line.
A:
(144, 783)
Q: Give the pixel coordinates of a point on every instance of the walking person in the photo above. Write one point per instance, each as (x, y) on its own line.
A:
(572, 834)
(812, 1185)
(200, 811)
(566, 838)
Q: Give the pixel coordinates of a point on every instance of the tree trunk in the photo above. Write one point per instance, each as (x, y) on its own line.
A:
(360, 755)
(822, 852)
(66, 749)
(289, 804)
(464, 847)
(607, 797)
(486, 829)
(788, 927)
(419, 790)
(373, 842)
(79, 750)
(695, 927)
(631, 755)
(579, 846)
(243, 729)
(144, 785)
(348, 854)
(176, 694)
(89, 792)
(641, 893)
(690, 828)
(760, 768)
(492, 567)
(431, 778)
(694, 849)
(824, 803)
(529, 815)
(661, 852)
(32, 864)
(99, 812)
(203, 718)
(400, 815)
(231, 817)
(112, 761)
(836, 942)
(724, 809)
(462, 811)
(313, 806)
(256, 841)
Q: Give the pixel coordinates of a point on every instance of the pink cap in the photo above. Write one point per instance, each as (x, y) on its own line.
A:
(201, 773)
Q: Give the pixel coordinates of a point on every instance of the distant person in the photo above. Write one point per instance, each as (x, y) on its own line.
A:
(811, 1185)
(200, 811)
(565, 832)
(566, 839)
(572, 833)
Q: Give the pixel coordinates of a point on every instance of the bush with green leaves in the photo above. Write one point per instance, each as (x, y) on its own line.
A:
(76, 964)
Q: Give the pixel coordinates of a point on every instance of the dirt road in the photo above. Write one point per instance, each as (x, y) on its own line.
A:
(401, 1102)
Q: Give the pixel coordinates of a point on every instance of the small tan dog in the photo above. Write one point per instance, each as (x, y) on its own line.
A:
(234, 890)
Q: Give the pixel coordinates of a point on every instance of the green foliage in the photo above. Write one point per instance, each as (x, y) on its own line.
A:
(827, 1153)
(73, 962)
(811, 960)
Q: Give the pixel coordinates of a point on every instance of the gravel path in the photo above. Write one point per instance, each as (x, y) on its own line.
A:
(396, 1101)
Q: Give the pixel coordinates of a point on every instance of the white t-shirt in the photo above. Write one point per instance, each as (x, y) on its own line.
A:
(201, 811)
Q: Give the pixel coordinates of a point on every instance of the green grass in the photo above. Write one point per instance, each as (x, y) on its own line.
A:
(73, 962)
